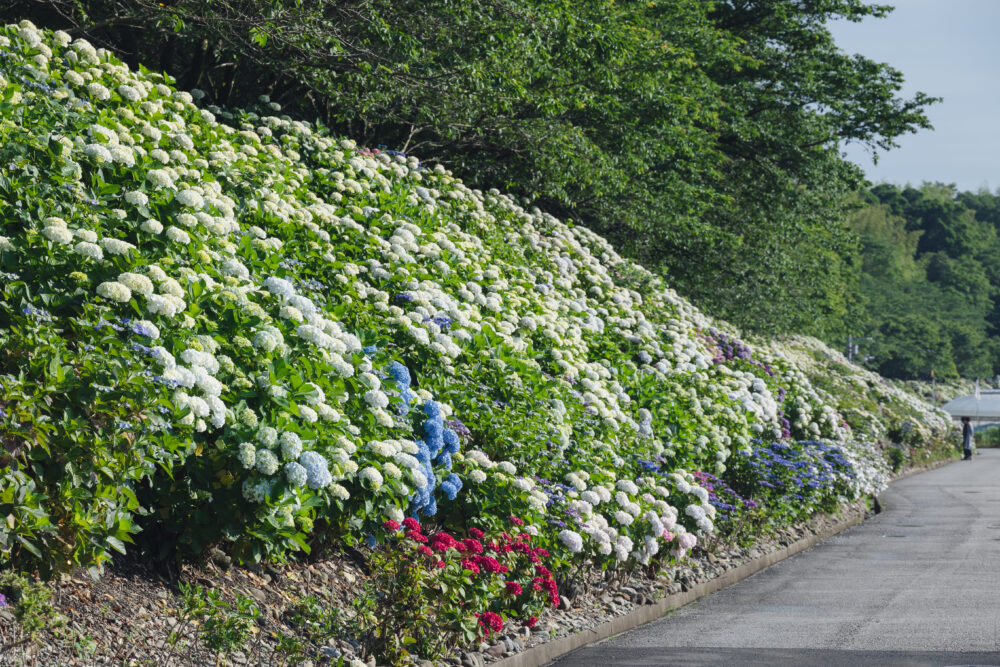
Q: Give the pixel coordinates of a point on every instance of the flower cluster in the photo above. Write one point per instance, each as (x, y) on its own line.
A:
(302, 335)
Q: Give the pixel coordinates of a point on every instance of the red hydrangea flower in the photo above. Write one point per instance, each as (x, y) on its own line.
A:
(490, 564)
(443, 541)
(517, 522)
(476, 533)
(532, 622)
(440, 564)
(411, 524)
(390, 525)
(416, 536)
(473, 546)
(490, 622)
(425, 550)
(514, 588)
(469, 565)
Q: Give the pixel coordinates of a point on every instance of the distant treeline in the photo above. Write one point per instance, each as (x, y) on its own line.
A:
(930, 278)
(702, 138)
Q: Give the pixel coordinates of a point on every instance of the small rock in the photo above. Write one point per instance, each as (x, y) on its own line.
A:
(627, 590)
(348, 577)
(330, 652)
(497, 650)
(220, 558)
(257, 594)
(564, 602)
(472, 659)
(425, 663)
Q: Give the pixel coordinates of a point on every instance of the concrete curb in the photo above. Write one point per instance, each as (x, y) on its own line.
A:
(544, 653)
(549, 651)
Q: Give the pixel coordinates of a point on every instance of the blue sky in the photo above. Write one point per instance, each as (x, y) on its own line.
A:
(949, 49)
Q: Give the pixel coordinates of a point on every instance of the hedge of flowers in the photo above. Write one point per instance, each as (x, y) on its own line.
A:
(431, 591)
(228, 327)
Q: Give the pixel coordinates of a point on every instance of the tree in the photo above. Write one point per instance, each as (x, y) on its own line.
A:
(785, 114)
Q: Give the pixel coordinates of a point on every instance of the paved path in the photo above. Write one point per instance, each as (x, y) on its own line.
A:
(919, 584)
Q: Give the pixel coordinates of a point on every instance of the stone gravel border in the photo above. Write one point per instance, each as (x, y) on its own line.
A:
(543, 654)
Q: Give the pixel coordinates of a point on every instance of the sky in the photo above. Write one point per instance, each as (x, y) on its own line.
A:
(948, 49)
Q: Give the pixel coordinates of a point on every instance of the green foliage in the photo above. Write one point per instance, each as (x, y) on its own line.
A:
(929, 282)
(30, 601)
(222, 627)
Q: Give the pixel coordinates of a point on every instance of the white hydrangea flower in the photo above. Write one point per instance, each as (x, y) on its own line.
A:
(267, 462)
(571, 540)
(138, 283)
(59, 235)
(151, 226)
(98, 92)
(247, 455)
(291, 445)
(114, 291)
(372, 476)
(116, 246)
(267, 436)
(178, 235)
(136, 198)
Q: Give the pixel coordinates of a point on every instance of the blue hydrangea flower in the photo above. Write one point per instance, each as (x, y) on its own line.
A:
(451, 442)
(296, 474)
(317, 474)
(399, 373)
(430, 509)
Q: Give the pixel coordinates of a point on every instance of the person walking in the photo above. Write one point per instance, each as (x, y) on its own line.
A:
(967, 438)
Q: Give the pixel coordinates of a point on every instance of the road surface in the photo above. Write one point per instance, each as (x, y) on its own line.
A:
(918, 584)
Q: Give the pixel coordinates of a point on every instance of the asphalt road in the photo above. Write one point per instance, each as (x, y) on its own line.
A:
(918, 584)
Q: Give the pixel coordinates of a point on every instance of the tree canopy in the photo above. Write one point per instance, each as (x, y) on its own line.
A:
(930, 281)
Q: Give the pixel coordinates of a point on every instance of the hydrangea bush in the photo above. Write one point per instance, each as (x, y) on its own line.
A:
(227, 326)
